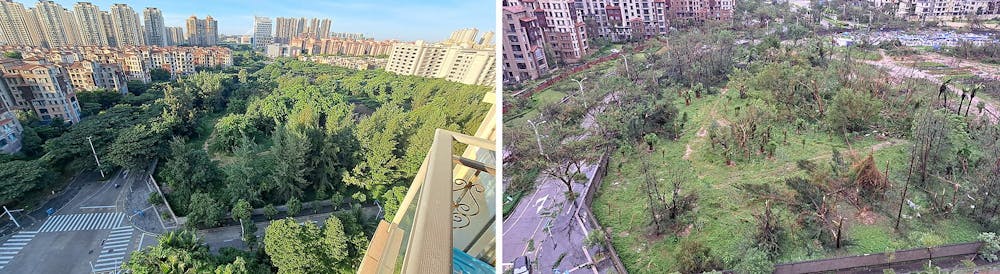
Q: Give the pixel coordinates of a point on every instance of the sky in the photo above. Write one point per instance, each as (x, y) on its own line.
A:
(430, 20)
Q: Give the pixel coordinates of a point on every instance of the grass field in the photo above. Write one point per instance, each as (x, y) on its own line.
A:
(723, 218)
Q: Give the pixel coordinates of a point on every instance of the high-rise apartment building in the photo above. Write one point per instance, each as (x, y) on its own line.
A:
(126, 25)
(108, 28)
(39, 86)
(287, 28)
(174, 36)
(261, 32)
(153, 23)
(14, 21)
(202, 32)
(460, 59)
(319, 28)
(91, 24)
(55, 24)
(523, 45)
(339, 46)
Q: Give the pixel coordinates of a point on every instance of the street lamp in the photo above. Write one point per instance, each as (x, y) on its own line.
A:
(11, 214)
(89, 140)
(537, 138)
(580, 82)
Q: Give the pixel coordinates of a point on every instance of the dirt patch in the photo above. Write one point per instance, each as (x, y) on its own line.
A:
(687, 153)
(702, 132)
(686, 231)
(722, 122)
(867, 217)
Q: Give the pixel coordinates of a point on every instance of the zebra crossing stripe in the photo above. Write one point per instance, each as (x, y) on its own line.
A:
(100, 261)
(101, 266)
(86, 221)
(111, 254)
(107, 218)
(19, 239)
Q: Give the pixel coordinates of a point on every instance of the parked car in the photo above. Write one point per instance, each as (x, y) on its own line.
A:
(522, 265)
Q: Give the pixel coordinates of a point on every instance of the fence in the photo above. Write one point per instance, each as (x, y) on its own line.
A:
(588, 215)
(885, 260)
(170, 209)
(548, 83)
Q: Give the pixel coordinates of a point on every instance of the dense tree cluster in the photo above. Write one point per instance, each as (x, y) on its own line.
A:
(334, 247)
(181, 251)
(310, 132)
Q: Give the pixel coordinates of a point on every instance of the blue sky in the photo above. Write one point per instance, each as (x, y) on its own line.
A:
(430, 20)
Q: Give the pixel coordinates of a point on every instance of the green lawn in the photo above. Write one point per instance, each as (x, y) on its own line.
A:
(723, 217)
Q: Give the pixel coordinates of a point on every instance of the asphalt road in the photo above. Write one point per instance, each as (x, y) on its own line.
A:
(544, 226)
(89, 232)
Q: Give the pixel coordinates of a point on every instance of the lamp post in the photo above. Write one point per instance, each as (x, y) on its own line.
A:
(89, 140)
(538, 139)
(7, 211)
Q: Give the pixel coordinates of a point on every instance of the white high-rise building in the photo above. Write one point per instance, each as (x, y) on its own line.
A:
(153, 20)
(261, 32)
(174, 36)
(14, 22)
(52, 22)
(91, 24)
(126, 25)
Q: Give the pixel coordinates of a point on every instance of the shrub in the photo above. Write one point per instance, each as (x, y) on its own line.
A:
(695, 257)
(270, 211)
(155, 199)
(754, 261)
(294, 206)
(991, 246)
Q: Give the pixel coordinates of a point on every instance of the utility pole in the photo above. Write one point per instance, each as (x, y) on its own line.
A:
(89, 140)
(537, 138)
(6, 211)
(626, 64)
(580, 82)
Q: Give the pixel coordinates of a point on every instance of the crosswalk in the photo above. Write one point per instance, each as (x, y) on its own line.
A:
(86, 221)
(14, 245)
(114, 250)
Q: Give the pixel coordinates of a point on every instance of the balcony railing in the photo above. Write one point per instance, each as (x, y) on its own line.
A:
(445, 224)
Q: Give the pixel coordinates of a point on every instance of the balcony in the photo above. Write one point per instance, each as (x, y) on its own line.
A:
(446, 222)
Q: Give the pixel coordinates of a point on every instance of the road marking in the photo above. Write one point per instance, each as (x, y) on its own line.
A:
(13, 246)
(540, 203)
(79, 222)
(97, 207)
(115, 248)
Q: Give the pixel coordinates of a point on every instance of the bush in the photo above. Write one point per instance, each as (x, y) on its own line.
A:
(270, 211)
(294, 206)
(155, 199)
(754, 261)
(991, 247)
(695, 257)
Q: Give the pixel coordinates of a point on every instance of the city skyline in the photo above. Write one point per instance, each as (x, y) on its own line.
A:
(381, 19)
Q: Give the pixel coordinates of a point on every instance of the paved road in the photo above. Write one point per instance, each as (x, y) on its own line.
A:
(544, 226)
(90, 232)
